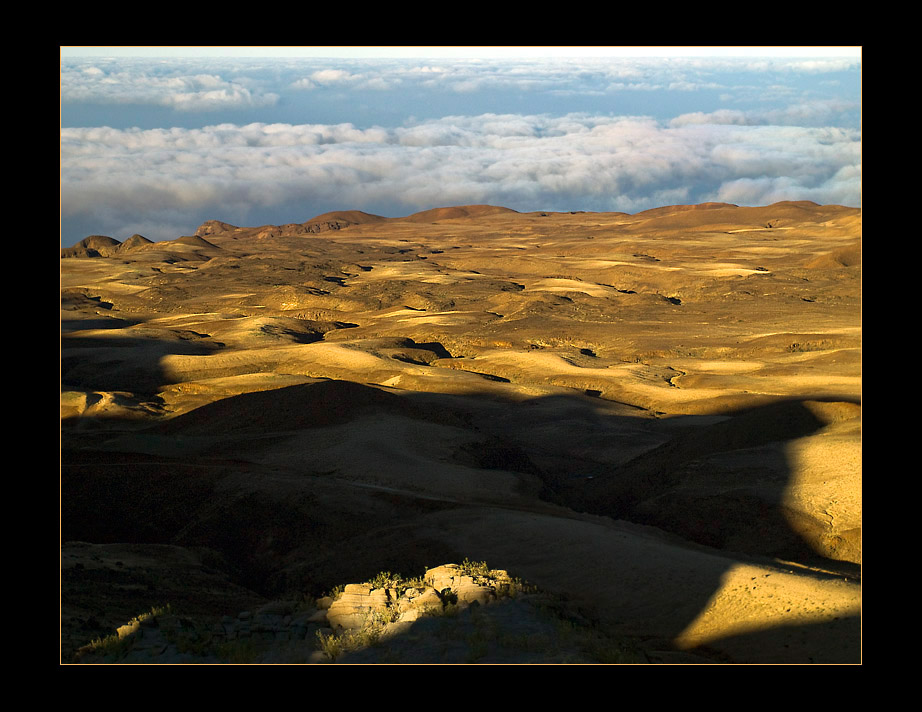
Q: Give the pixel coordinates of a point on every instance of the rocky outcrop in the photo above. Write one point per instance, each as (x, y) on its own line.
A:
(93, 246)
(103, 246)
(214, 227)
(339, 219)
(350, 623)
(134, 242)
(365, 604)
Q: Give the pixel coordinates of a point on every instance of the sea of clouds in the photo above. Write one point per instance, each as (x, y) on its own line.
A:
(160, 146)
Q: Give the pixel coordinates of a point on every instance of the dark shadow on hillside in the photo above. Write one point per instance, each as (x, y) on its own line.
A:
(719, 484)
(129, 362)
(312, 534)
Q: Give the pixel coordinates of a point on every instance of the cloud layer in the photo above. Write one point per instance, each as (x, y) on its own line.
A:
(791, 144)
(525, 162)
(202, 84)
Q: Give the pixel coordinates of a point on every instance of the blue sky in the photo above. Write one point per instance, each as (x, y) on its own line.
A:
(157, 140)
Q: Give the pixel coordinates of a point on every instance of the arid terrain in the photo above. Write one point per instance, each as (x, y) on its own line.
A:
(654, 417)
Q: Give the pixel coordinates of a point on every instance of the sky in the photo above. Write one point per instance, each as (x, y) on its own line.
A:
(157, 140)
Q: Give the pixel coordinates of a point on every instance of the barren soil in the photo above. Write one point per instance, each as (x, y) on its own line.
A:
(655, 415)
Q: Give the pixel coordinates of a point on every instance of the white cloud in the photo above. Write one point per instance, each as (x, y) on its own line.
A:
(171, 86)
(805, 113)
(197, 84)
(748, 130)
(332, 76)
(524, 162)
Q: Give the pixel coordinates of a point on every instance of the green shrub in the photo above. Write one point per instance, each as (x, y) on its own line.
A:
(115, 646)
(335, 645)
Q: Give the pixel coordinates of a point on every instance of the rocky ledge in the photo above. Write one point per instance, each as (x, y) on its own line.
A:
(453, 614)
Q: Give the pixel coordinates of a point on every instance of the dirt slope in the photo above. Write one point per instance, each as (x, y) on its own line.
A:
(656, 416)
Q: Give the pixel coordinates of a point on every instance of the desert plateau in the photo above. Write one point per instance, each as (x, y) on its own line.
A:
(467, 435)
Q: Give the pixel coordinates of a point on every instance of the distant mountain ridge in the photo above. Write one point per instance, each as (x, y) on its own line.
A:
(344, 218)
(104, 246)
(458, 212)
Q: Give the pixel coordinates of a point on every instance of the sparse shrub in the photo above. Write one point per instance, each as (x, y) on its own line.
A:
(475, 569)
(111, 647)
(384, 579)
(384, 616)
(396, 582)
(448, 609)
(331, 644)
(114, 647)
(336, 645)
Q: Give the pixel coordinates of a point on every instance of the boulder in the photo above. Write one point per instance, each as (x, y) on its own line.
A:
(356, 606)
(464, 587)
